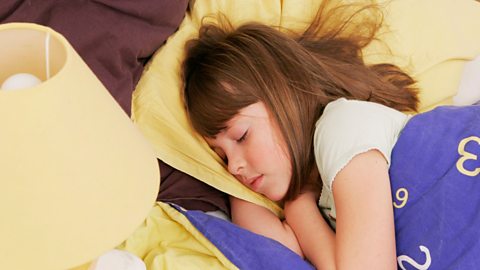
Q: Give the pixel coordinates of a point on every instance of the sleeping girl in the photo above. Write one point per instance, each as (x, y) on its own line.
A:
(304, 121)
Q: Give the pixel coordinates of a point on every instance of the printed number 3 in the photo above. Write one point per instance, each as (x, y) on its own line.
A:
(466, 156)
(402, 196)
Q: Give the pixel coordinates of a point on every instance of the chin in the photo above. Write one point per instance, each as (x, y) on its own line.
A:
(276, 197)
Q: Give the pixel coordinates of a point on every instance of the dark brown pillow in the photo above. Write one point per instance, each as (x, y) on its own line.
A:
(186, 191)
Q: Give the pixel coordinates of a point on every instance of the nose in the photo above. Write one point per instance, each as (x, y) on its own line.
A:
(236, 164)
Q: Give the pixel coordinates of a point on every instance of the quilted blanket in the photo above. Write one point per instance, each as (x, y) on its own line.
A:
(435, 176)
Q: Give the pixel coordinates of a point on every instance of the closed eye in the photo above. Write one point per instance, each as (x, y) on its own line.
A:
(244, 136)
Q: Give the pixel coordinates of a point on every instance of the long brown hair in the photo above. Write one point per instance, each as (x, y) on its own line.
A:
(294, 75)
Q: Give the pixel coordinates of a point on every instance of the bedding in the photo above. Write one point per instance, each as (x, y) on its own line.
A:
(435, 177)
(189, 193)
(175, 238)
(244, 249)
(469, 86)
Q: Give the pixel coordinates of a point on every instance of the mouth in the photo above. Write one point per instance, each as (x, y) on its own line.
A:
(254, 183)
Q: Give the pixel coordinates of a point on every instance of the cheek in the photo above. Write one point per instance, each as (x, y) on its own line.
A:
(267, 157)
(282, 160)
(281, 156)
(286, 173)
(265, 152)
(272, 157)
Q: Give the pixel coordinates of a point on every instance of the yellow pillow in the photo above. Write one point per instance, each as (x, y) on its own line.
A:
(432, 39)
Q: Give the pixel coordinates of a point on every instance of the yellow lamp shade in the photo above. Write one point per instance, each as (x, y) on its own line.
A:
(76, 176)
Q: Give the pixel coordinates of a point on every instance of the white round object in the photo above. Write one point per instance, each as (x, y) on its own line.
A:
(118, 260)
(20, 81)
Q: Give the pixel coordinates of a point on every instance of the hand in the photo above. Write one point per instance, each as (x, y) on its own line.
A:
(263, 221)
(309, 194)
(316, 238)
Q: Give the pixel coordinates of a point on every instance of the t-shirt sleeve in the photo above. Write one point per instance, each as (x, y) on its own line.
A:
(348, 128)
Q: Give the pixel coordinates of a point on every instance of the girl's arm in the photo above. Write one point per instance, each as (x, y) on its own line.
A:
(365, 237)
(365, 228)
(262, 221)
(316, 238)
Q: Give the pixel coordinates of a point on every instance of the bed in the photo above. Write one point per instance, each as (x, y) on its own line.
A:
(135, 49)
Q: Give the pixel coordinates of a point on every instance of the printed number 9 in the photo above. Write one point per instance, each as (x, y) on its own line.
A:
(402, 196)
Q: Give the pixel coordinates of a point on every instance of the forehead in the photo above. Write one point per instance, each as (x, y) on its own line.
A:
(255, 110)
(249, 114)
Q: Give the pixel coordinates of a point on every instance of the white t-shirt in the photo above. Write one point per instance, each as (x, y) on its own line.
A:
(348, 128)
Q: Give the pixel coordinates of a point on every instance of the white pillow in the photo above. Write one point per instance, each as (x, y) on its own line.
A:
(469, 87)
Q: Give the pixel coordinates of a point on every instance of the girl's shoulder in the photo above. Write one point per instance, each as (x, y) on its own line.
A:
(355, 115)
(350, 127)
(359, 108)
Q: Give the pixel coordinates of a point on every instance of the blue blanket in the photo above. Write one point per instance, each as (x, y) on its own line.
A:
(435, 177)
(243, 248)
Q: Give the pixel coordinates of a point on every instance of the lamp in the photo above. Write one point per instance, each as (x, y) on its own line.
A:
(76, 176)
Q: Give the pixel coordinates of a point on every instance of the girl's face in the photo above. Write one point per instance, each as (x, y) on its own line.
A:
(254, 152)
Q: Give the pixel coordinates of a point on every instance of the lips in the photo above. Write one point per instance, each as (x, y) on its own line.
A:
(254, 183)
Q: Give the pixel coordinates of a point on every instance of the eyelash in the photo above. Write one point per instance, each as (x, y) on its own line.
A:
(244, 136)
